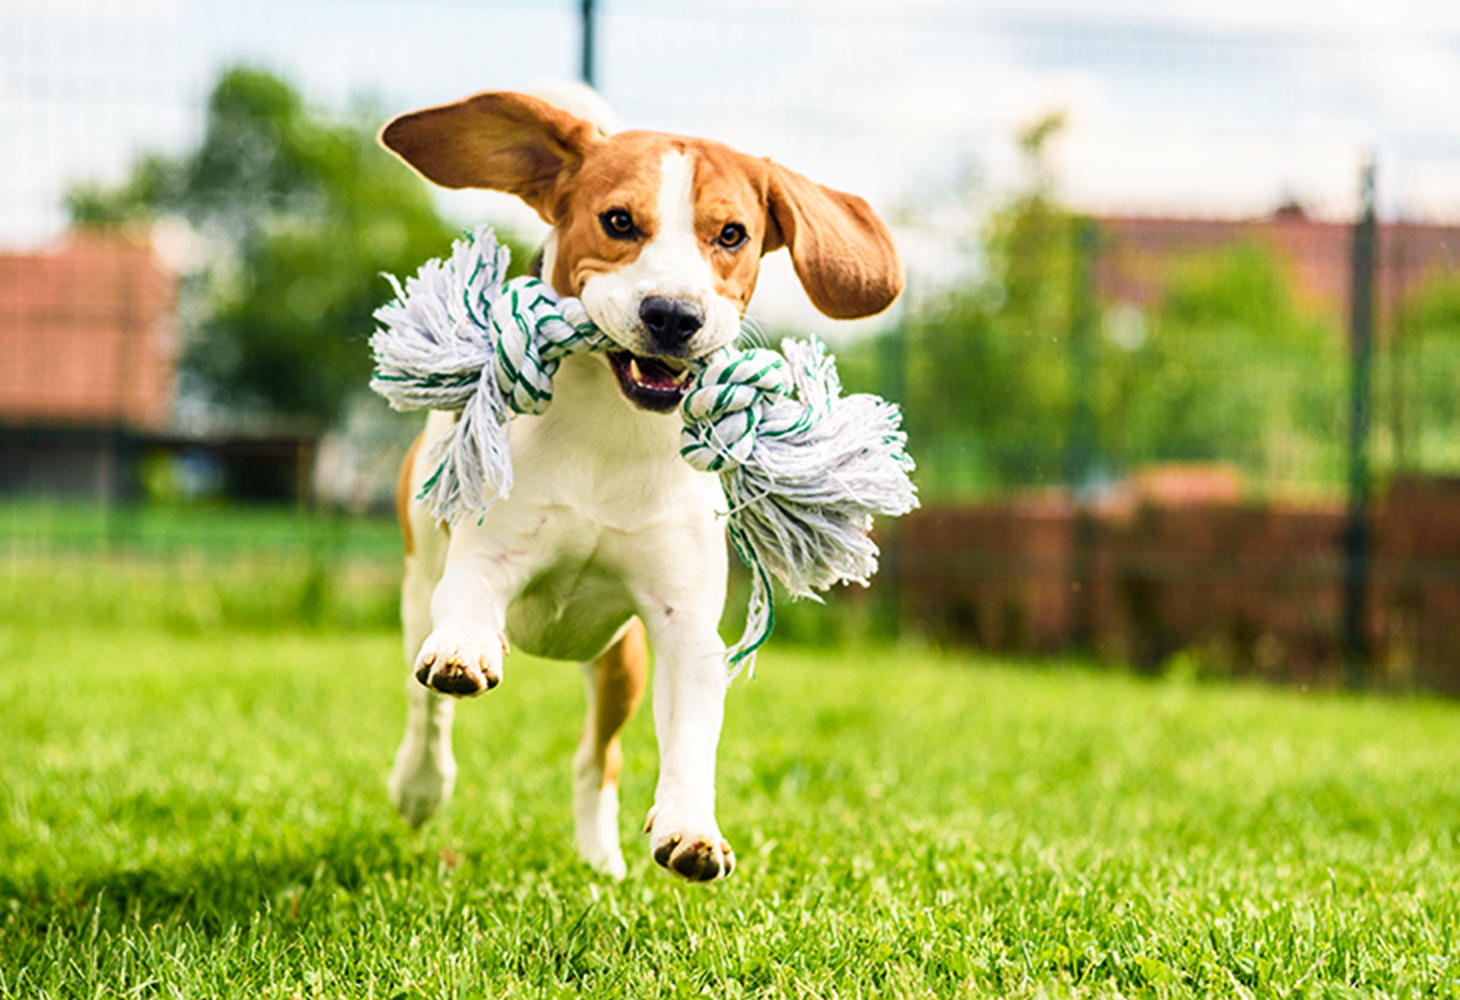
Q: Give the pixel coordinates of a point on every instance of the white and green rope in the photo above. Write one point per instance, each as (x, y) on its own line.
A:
(804, 468)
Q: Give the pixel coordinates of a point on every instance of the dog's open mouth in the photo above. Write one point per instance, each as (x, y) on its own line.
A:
(649, 383)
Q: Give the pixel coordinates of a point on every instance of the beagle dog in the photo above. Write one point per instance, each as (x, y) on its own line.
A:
(609, 541)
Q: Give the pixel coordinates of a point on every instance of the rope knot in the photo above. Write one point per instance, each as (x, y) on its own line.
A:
(533, 333)
(730, 406)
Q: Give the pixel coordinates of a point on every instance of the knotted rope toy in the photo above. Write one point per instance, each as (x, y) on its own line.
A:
(803, 467)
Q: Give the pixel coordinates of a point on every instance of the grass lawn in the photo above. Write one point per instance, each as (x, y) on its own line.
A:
(200, 811)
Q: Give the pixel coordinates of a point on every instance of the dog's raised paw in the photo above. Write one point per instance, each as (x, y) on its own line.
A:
(697, 853)
(461, 661)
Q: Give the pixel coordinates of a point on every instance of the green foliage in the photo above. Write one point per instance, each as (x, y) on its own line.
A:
(136, 200)
(203, 814)
(192, 570)
(1417, 381)
(983, 366)
(1225, 368)
(996, 389)
(300, 214)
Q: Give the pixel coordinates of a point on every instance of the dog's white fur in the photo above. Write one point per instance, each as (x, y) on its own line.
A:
(651, 544)
(605, 521)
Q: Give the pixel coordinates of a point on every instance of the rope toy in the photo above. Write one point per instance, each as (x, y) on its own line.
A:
(803, 467)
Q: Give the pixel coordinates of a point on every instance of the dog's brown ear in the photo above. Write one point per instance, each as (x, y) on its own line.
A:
(842, 252)
(499, 140)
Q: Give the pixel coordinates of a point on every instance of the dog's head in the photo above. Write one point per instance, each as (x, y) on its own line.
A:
(660, 235)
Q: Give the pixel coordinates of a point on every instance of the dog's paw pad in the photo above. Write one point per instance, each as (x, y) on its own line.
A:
(698, 857)
(698, 860)
(459, 664)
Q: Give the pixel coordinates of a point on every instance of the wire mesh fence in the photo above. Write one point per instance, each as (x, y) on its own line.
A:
(1155, 414)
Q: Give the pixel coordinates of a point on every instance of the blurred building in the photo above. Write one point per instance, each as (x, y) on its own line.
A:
(88, 375)
(88, 347)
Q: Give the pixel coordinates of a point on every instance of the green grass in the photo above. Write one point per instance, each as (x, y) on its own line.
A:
(52, 527)
(193, 810)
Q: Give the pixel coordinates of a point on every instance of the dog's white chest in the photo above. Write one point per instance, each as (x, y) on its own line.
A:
(599, 492)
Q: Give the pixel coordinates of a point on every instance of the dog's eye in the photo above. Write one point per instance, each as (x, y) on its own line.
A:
(619, 224)
(732, 236)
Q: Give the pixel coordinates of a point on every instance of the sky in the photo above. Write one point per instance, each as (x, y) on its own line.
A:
(1203, 108)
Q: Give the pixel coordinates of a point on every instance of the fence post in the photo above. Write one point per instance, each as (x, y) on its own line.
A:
(1395, 250)
(589, 47)
(894, 563)
(1082, 444)
(1357, 557)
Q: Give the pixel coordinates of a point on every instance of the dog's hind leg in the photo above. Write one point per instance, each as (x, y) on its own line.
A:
(425, 769)
(615, 687)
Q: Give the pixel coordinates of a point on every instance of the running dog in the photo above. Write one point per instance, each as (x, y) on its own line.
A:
(609, 542)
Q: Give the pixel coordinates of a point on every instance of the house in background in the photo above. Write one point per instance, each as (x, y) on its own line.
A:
(88, 349)
(88, 374)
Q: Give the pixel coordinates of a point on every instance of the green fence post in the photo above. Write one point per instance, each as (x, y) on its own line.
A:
(588, 43)
(1356, 542)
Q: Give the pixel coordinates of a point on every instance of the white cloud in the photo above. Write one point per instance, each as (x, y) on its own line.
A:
(89, 10)
(1420, 84)
(1205, 107)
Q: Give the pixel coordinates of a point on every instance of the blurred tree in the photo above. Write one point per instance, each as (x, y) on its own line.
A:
(983, 364)
(1425, 347)
(299, 215)
(1223, 365)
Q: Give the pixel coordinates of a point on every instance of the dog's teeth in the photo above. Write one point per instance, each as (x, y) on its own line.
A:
(634, 372)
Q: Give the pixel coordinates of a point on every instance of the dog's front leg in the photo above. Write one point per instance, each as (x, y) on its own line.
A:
(689, 706)
(678, 567)
(464, 652)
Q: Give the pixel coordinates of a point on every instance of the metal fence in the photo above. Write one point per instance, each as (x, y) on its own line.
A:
(1206, 264)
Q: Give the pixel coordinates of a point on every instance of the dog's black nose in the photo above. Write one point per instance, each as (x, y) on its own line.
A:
(670, 322)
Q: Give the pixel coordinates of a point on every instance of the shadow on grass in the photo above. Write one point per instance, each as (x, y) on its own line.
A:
(378, 903)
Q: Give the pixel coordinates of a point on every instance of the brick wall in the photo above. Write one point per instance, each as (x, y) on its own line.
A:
(1253, 588)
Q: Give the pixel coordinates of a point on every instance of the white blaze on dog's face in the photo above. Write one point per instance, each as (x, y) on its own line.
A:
(660, 236)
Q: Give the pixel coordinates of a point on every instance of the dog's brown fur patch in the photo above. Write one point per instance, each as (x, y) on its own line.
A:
(403, 494)
(619, 677)
(571, 174)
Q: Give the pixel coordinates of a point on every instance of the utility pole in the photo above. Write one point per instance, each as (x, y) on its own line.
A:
(587, 71)
(1357, 555)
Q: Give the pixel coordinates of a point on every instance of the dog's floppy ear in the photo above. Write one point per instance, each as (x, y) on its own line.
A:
(842, 252)
(499, 140)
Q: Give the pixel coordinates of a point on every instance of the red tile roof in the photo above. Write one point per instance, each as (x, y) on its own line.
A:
(88, 335)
